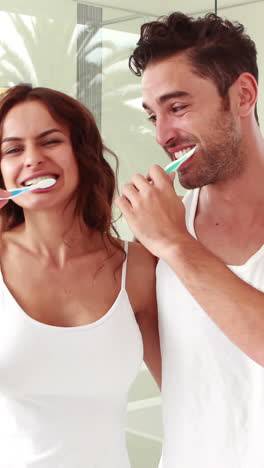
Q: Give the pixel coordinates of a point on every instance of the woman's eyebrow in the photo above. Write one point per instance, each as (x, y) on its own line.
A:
(47, 132)
(41, 135)
(11, 139)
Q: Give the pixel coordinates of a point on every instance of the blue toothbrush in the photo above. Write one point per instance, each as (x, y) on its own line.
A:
(174, 165)
(45, 183)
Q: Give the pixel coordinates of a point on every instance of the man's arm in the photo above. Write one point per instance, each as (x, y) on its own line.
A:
(157, 217)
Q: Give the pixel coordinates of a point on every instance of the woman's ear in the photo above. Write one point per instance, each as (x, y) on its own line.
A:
(247, 93)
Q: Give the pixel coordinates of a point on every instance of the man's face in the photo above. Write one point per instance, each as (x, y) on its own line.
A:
(187, 111)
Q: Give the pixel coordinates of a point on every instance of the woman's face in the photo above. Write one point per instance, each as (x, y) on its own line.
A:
(35, 145)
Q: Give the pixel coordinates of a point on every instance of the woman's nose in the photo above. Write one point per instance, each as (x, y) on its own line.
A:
(33, 157)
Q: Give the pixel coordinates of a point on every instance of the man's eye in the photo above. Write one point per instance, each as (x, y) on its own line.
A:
(178, 108)
(152, 118)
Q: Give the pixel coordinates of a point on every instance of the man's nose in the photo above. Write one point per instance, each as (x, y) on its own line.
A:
(165, 132)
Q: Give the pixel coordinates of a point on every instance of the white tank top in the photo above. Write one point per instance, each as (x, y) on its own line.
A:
(63, 391)
(213, 394)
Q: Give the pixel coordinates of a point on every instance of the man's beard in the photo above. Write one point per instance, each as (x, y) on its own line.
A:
(220, 157)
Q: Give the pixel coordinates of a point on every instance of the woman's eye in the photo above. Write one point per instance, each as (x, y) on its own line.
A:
(11, 151)
(51, 142)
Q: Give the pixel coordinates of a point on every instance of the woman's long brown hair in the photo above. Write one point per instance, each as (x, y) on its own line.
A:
(97, 180)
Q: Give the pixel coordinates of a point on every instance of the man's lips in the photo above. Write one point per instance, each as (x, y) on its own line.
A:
(176, 152)
(186, 162)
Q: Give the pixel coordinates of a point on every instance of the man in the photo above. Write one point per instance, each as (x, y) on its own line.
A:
(200, 90)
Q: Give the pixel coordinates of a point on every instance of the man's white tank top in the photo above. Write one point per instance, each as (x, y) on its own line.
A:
(63, 391)
(212, 393)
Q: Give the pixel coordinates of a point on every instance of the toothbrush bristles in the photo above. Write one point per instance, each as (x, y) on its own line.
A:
(45, 183)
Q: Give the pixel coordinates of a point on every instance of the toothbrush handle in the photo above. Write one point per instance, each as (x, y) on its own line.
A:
(171, 168)
(12, 193)
(15, 192)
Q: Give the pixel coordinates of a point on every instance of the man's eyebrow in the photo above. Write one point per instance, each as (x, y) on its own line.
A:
(41, 135)
(165, 97)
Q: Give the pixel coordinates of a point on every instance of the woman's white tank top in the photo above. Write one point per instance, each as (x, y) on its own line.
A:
(63, 391)
(212, 393)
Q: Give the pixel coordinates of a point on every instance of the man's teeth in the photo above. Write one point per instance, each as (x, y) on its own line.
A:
(181, 153)
(37, 179)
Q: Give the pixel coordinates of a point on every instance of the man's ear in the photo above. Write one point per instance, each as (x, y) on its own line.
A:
(247, 93)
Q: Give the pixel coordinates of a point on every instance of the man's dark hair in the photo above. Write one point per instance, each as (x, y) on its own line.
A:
(217, 48)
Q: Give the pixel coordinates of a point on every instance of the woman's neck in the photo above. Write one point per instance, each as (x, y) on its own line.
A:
(57, 237)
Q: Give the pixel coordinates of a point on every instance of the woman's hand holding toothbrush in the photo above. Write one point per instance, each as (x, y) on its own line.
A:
(2, 195)
(6, 195)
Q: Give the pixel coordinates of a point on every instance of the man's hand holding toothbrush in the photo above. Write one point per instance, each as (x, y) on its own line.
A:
(154, 212)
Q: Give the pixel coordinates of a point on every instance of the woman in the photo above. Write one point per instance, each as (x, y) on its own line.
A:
(72, 302)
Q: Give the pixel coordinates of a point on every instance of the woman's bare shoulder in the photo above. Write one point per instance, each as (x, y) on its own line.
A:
(141, 275)
(10, 241)
(139, 255)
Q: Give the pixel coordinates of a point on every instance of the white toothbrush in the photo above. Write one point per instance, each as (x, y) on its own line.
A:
(178, 162)
(42, 184)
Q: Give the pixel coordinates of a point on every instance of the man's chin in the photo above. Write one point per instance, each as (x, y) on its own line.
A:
(189, 184)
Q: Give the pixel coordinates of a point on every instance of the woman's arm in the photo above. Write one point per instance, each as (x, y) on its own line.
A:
(141, 288)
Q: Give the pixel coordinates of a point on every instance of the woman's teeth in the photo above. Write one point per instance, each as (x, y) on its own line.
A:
(37, 179)
(181, 153)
